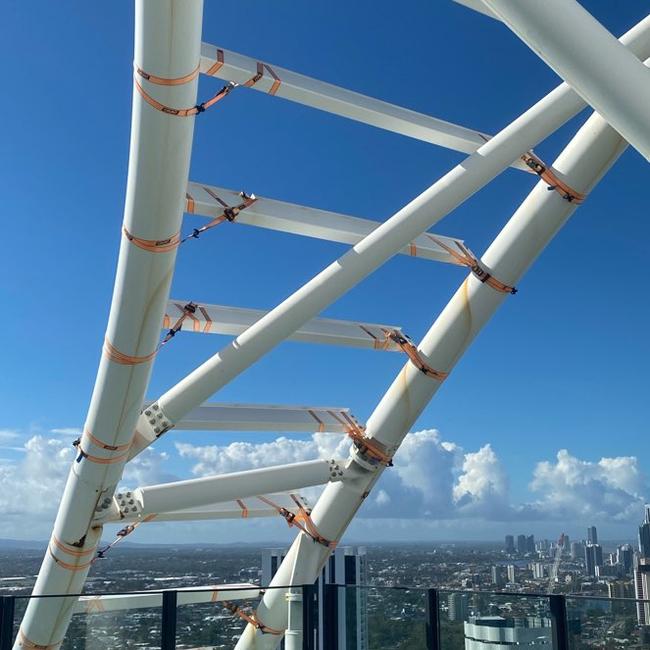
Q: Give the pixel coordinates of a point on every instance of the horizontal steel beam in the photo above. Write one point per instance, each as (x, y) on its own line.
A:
(232, 321)
(208, 201)
(238, 68)
(193, 493)
(247, 508)
(262, 417)
(186, 596)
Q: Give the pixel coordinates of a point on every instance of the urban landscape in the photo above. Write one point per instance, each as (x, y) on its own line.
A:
(490, 595)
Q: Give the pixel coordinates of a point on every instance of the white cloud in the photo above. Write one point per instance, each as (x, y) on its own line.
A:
(433, 480)
(610, 489)
(67, 431)
(8, 436)
(237, 456)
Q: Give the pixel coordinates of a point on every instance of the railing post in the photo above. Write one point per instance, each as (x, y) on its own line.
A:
(308, 626)
(168, 630)
(559, 625)
(433, 620)
(6, 622)
(330, 629)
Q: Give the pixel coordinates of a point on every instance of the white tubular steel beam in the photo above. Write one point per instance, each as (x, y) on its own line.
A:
(194, 493)
(238, 68)
(246, 417)
(384, 242)
(309, 222)
(262, 417)
(248, 508)
(167, 44)
(572, 42)
(589, 155)
(186, 596)
(233, 321)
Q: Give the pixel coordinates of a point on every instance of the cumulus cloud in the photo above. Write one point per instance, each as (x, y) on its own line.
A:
(438, 480)
(31, 486)
(610, 489)
(431, 477)
(433, 480)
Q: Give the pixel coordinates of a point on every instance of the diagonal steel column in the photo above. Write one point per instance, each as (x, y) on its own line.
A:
(584, 161)
(572, 42)
(167, 44)
(384, 242)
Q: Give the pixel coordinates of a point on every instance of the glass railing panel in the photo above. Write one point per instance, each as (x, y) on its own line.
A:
(607, 623)
(379, 618)
(474, 620)
(204, 619)
(114, 621)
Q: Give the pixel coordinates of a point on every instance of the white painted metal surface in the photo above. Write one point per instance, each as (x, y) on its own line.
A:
(193, 493)
(375, 249)
(589, 155)
(167, 43)
(186, 596)
(309, 222)
(589, 58)
(262, 417)
(233, 321)
(298, 88)
(245, 417)
(246, 508)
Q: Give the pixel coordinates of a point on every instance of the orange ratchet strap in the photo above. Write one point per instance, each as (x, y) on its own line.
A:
(67, 565)
(97, 459)
(28, 644)
(203, 106)
(98, 443)
(119, 536)
(124, 359)
(554, 183)
(465, 257)
(251, 618)
(229, 213)
(301, 520)
(154, 245)
(184, 112)
(164, 81)
(412, 353)
(368, 447)
(187, 311)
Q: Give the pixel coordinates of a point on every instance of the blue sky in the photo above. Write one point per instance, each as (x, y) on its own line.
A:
(563, 365)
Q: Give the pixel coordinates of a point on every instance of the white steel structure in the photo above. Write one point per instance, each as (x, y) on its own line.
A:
(169, 56)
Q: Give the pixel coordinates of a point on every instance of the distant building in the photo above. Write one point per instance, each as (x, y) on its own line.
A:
(642, 571)
(510, 544)
(521, 544)
(530, 544)
(593, 558)
(498, 633)
(625, 557)
(538, 570)
(644, 534)
(577, 550)
(497, 576)
(458, 607)
(642, 589)
(512, 576)
(592, 535)
(347, 565)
